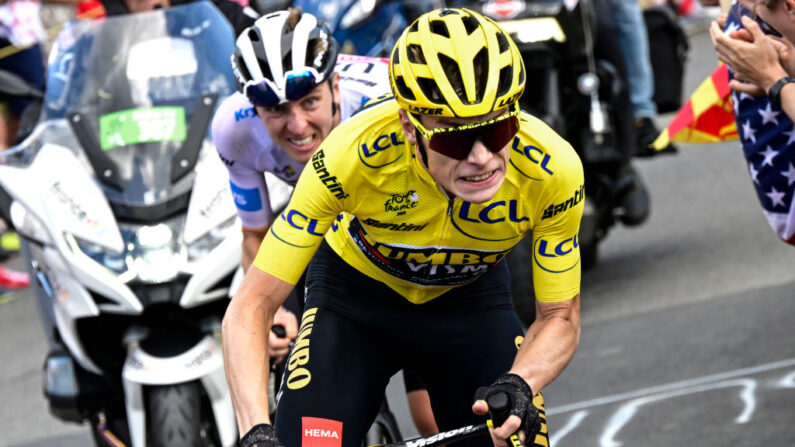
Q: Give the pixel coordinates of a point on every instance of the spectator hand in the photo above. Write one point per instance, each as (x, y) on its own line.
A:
(745, 87)
(755, 61)
(279, 347)
(786, 53)
(523, 415)
(261, 435)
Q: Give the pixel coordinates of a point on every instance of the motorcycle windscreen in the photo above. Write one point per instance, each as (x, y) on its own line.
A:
(139, 91)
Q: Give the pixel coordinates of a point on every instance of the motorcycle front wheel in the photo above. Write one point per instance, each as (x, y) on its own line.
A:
(178, 415)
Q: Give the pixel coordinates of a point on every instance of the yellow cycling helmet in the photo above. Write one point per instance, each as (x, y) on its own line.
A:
(455, 62)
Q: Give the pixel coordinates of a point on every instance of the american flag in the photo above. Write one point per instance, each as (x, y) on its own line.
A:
(768, 140)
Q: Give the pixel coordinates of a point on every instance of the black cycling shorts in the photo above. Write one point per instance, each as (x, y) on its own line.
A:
(356, 333)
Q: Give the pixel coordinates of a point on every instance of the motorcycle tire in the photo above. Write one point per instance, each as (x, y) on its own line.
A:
(522, 293)
(175, 416)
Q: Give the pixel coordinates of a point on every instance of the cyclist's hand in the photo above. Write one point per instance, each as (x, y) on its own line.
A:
(261, 435)
(520, 415)
(278, 347)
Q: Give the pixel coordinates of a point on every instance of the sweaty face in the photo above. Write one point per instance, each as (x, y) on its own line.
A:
(300, 126)
(478, 177)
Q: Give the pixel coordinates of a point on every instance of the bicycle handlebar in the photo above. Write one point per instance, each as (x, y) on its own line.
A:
(445, 437)
(499, 403)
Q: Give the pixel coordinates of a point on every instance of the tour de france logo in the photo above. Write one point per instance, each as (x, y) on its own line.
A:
(400, 203)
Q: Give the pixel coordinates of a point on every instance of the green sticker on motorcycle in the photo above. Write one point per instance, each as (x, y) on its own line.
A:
(144, 125)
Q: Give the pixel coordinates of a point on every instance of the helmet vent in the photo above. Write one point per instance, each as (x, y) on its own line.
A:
(314, 47)
(404, 89)
(415, 54)
(481, 64)
(253, 35)
(440, 28)
(287, 60)
(431, 90)
(414, 26)
(453, 73)
(470, 24)
(502, 41)
(506, 73)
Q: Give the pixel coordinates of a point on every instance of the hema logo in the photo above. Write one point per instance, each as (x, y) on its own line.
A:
(319, 432)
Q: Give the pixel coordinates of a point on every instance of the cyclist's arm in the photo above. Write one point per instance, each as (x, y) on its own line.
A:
(247, 322)
(240, 146)
(553, 338)
(252, 239)
(550, 342)
(278, 347)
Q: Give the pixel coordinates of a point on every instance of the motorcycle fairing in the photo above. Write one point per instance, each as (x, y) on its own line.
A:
(204, 361)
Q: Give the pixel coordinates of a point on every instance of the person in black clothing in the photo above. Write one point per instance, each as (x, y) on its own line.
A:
(239, 17)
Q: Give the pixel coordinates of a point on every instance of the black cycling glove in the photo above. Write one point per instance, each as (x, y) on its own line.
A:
(261, 435)
(520, 403)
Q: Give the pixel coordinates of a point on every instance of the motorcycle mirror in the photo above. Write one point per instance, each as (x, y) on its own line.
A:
(14, 87)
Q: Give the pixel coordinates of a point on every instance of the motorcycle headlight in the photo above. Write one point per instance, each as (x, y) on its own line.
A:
(209, 241)
(157, 252)
(358, 13)
(152, 253)
(113, 261)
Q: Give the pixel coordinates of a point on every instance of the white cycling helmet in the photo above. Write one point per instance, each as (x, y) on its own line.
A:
(276, 62)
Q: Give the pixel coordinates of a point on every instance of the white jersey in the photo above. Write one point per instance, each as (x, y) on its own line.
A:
(249, 152)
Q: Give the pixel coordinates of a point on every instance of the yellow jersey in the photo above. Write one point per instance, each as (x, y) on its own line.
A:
(380, 210)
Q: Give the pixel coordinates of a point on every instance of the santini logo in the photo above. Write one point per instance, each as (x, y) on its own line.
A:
(570, 203)
(329, 180)
(393, 226)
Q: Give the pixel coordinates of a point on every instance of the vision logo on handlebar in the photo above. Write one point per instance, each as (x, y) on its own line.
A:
(498, 403)
(443, 437)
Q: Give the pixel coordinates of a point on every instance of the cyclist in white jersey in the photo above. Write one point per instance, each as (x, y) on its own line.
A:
(293, 88)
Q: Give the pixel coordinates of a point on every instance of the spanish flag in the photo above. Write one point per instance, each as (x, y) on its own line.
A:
(707, 117)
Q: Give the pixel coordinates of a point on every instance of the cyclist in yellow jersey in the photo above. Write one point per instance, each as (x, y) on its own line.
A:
(418, 194)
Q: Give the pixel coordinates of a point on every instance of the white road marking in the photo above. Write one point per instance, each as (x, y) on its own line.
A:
(671, 387)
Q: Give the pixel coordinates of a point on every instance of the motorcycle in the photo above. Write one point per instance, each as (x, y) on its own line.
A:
(130, 227)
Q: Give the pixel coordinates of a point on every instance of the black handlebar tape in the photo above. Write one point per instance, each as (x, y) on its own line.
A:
(279, 330)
